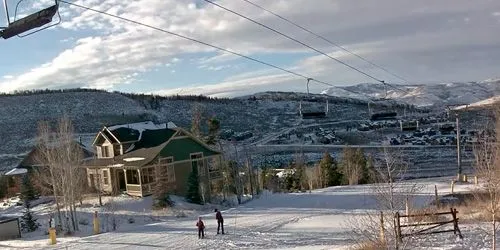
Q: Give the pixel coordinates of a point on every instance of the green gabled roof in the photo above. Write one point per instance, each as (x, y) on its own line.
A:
(124, 134)
(153, 138)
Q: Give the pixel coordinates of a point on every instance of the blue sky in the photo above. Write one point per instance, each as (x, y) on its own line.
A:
(424, 41)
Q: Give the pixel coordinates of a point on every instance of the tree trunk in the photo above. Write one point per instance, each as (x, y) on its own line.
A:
(494, 232)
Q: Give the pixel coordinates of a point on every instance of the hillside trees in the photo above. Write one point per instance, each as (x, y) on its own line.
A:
(61, 158)
(328, 171)
(354, 166)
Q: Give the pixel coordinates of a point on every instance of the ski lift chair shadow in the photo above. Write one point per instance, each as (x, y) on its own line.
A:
(30, 22)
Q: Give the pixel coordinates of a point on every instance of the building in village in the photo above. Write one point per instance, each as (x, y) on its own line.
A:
(127, 157)
(33, 162)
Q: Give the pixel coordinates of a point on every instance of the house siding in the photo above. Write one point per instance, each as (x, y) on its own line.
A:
(99, 179)
(181, 149)
(182, 171)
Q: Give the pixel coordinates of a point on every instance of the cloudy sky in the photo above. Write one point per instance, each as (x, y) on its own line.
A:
(424, 41)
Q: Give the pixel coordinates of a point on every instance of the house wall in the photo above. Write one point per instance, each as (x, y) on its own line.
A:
(99, 179)
(182, 171)
(181, 149)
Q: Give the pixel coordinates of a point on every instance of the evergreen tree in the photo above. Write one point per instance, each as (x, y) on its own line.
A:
(3, 186)
(193, 192)
(28, 192)
(368, 170)
(28, 222)
(329, 174)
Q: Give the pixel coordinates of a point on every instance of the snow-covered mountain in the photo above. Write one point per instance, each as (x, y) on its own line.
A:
(424, 94)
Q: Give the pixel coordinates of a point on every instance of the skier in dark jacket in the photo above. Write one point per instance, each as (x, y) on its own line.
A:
(201, 228)
(220, 221)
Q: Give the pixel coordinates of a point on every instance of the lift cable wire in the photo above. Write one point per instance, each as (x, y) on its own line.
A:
(323, 53)
(295, 40)
(327, 40)
(210, 45)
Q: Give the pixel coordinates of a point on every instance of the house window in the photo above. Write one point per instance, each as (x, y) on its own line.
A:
(105, 177)
(148, 175)
(105, 151)
(197, 162)
(132, 177)
(167, 164)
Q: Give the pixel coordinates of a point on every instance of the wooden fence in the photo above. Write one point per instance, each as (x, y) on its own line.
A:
(419, 225)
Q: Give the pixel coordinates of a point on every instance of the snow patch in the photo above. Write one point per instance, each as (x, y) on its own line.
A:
(133, 159)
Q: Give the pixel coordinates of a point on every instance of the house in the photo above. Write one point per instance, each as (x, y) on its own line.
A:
(34, 161)
(128, 157)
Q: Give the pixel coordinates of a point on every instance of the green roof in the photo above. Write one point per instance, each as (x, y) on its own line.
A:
(153, 138)
(124, 134)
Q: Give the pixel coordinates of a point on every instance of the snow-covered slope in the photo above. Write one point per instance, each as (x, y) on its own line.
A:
(427, 94)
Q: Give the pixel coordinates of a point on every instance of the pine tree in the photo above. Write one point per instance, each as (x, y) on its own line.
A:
(330, 175)
(368, 170)
(28, 222)
(193, 192)
(3, 186)
(28, 192)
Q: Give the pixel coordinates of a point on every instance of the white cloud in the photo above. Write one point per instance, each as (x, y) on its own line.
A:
(413, 38)
(8, 77)
(496, 13)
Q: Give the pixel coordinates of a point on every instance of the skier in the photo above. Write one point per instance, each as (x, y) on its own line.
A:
(220, 221)
(201, 228)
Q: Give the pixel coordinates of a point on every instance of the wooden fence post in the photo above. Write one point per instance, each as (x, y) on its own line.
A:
(396, 231)
(398, 228)
(436, 196)
(382, 228)
(452, 186)
(476, 181)
(407, 206)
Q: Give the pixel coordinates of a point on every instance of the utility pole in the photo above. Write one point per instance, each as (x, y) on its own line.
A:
(459, 159)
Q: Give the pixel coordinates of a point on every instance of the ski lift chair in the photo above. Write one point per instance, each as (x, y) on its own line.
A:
(30, 22)
(311, 113)
(385, 114)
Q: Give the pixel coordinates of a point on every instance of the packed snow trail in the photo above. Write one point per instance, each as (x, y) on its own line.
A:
(316, 220)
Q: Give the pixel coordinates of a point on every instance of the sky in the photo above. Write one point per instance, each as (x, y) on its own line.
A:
(423, 41)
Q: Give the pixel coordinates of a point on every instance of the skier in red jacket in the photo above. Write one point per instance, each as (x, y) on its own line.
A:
(201, 228)
(220, 221)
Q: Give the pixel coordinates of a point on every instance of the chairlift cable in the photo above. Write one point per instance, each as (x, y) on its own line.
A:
(312, 48)
(295, 40)
(326, 40)
(204, 43)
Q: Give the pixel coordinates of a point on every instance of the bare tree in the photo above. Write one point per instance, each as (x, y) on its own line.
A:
(487, 167)
(390, 196)
(197, 114)
(61, 157)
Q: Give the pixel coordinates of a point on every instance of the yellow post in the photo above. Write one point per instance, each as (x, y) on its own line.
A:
(96, 223)
(476, 181)
(52, 236)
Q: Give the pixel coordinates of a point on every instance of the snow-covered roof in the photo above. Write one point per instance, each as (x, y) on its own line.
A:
(17, 171)
(140, 126)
